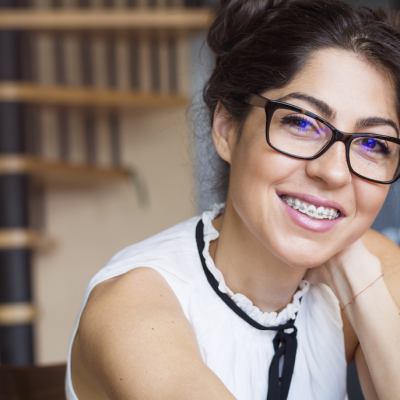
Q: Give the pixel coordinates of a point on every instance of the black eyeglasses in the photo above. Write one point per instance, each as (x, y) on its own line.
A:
(301, 134)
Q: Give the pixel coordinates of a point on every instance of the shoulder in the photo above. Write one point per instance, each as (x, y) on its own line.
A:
(136, 291)
(126, 322)
(123, 299)
(135, 342)
(386, 250)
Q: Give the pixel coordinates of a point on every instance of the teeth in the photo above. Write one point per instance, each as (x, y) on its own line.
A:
(310, 209)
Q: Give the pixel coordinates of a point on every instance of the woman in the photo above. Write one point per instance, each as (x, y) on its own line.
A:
(270, 295)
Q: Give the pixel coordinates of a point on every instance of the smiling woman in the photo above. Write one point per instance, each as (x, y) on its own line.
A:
(322, 179)
(270, 294)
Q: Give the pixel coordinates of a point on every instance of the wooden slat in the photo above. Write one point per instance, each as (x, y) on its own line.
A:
(17, 313)
(36, 94)
(18, 238)
(56, 172)
(183, 64)
(166, 18)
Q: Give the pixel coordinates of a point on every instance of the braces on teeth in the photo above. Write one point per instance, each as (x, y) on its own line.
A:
(310, 209)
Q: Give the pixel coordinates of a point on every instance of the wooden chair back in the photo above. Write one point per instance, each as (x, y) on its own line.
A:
(32, 383)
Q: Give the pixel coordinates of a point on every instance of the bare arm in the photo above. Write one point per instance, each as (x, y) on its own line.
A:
(364, 376)
(374, 315)
(372, 322)
(368, 357)
(134, 342)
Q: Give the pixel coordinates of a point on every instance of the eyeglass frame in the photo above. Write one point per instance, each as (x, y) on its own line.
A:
(270, 106)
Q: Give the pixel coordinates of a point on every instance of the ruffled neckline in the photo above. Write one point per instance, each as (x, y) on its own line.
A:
(264, 318)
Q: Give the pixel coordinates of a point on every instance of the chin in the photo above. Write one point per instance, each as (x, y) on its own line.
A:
(303, 256)
(306, 262)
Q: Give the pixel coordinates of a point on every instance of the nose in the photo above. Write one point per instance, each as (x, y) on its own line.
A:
(331, 167)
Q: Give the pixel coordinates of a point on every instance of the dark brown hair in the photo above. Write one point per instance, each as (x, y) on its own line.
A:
(262, 44)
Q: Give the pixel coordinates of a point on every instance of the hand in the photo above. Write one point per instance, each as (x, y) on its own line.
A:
(348, 272)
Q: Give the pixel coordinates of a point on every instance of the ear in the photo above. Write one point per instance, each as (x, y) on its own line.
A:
(224, 133)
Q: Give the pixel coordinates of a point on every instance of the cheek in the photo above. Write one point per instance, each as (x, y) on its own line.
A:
(369, 200)
(257, 168)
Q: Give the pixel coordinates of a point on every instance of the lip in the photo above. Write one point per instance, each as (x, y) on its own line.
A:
(310, 224)
(317, 201)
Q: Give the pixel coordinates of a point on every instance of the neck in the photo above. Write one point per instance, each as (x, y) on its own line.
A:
(249, 268)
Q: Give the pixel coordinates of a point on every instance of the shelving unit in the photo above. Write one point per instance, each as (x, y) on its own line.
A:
(151, 41)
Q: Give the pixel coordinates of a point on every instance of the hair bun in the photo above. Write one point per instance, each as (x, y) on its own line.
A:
(236, 19)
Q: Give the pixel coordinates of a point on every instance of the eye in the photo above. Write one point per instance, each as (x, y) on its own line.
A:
(303, 126)
(375, 145)
(373, 148)
(302, 123)
(298, 122)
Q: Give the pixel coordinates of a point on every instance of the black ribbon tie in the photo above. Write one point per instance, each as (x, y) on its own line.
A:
(284, 342)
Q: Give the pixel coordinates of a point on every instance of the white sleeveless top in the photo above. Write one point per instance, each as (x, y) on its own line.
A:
(235, 351)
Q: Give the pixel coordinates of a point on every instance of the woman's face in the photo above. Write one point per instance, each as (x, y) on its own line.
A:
(353, 89)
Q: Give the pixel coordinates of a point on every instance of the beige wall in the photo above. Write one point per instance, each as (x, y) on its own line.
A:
(90, 224)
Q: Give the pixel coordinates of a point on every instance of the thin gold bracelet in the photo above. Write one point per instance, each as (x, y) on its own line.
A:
(368, 286)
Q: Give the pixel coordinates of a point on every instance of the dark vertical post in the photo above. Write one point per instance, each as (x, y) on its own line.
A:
(16, 331)
(113, 116)
(115, 138)
(87, 80)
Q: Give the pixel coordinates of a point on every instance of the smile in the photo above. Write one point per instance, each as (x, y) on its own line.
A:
(311, 209)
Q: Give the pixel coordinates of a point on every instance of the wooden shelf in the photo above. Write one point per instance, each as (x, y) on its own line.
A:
(143, 19)
(17, 313)
(57, 172)
(19, 238)
(78, 96)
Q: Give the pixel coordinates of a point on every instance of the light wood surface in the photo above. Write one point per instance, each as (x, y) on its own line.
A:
(19, 238)
(60, 172)
(142, 18)
(16, 313)
(78, 96)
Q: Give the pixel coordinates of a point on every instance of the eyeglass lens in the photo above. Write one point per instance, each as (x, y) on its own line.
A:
(303, 136)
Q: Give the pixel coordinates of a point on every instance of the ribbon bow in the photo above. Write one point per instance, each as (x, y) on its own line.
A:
(285, 345)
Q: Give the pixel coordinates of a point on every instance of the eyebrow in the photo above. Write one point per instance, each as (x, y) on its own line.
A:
(322, 107)
(329, 113)
(376, 121)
